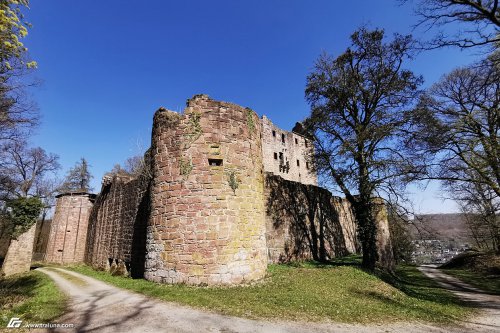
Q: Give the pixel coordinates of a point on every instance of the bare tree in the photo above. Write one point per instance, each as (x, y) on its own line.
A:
(361, 105)
(481, 208)
(139, 165)
(479, 21)
(23, 169)
(17, 113)
(460, 122)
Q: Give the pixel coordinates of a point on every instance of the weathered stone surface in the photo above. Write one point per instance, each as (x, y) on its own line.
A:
(306, 222)
(207, 221)
(384, 245)
(68, 230)
(42, 234)
(117, 229)
(287, 154)
(18, 257)
(204, 214)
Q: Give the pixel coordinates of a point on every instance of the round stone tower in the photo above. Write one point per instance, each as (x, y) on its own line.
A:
(207, 221)
(68, 230)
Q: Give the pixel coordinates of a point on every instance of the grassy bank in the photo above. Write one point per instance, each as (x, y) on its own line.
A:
(479, 269)
(487, 282)
(311, 292)
(33, 297)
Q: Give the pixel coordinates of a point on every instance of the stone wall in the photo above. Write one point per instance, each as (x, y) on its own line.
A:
(384, 244)
(205, 214)
(306, 222)
(42, 234)
(116, 239)
(18, 257)
(4, 242)
(207, 222)
(68, 230)
(287, 154)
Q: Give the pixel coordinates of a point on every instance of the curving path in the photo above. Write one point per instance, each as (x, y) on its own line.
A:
(98, 307)
(489, 320)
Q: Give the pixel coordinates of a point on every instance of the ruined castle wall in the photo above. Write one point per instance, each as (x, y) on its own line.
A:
(68, 230)
(42, 234)
(383, 239)
(18, 257)
(306, 222)
(117, 227)
(287, 154)
(207, 221)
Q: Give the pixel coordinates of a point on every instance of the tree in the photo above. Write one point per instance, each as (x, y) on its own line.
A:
(24, 183)
(481, 208)
(23, 170)
(139, 165)
(460, 124)
(16, 112)
(21, 214)
(360, 107)
(480, 21)
(78, 178)
(401, 238)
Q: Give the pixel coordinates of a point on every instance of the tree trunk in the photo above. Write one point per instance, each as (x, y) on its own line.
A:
(367, 228)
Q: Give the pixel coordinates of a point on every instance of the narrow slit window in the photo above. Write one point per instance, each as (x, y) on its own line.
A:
(281, 156)
(274, 133)
(298, 163)
(307, 165)
(214, 162)
(282, 137)
(296, 141)
(275, 156)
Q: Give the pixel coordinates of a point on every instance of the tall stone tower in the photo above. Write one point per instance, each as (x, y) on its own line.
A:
(68, 230)
(207, 222)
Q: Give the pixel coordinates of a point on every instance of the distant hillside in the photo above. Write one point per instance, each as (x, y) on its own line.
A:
(441, 226)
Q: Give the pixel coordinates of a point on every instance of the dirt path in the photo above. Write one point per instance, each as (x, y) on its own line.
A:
(489, 320)
(98, 307)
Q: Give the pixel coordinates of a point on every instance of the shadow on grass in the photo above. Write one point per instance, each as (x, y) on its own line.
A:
(413, 283)
(351, 260)
(15, 290)
(407, 279)
(420, 311)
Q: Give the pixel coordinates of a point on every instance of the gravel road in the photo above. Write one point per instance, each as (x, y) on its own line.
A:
(99, 307)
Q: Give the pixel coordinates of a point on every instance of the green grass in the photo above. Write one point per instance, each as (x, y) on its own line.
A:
(32, 296)
(487, 282)
(71, 278)
(341, 293)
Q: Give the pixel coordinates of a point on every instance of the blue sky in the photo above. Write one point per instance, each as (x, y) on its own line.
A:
(106, 66)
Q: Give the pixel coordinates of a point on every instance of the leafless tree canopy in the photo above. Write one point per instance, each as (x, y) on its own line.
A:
(460, 124)
(460, 119)
(23, 170)
(18, 114)
(479, 21)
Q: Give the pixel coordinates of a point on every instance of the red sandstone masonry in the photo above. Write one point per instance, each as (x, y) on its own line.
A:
(68, 231)
(116, 217)
(203, 231)
(18, 257)
(202, 217)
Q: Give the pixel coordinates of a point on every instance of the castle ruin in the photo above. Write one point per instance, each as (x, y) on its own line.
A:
(223, 194)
